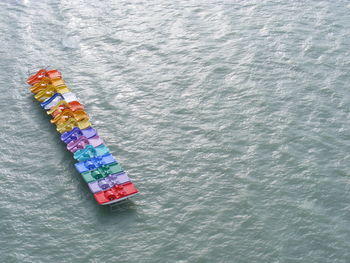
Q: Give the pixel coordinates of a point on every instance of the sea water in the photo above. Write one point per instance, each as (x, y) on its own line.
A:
(231, 117)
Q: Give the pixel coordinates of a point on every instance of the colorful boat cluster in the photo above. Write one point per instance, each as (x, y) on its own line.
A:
(100, 170)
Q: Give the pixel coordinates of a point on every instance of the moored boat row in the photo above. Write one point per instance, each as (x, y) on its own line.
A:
(106, 179)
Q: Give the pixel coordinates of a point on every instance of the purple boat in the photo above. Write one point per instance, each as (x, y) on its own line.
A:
(75, 133)
(82, 141)
(108, 182)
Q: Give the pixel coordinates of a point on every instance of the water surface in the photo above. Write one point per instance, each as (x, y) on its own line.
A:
(231, 117)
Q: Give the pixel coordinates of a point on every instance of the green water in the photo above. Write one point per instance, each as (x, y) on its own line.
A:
(231, 117)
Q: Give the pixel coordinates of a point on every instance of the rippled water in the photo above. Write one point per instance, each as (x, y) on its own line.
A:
(232, 118)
